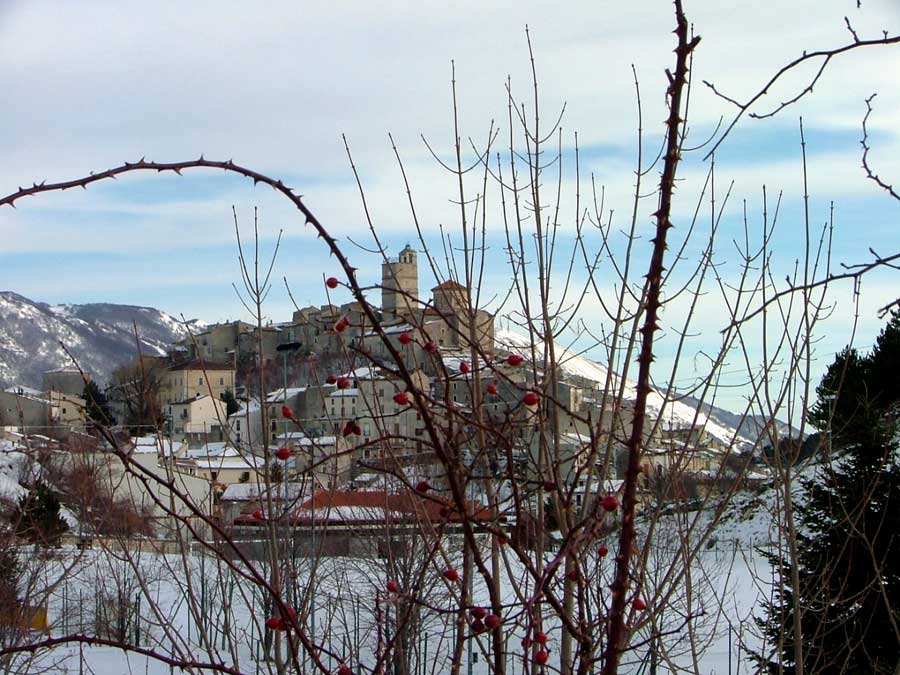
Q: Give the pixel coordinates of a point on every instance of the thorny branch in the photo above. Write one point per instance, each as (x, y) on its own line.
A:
(616, 631)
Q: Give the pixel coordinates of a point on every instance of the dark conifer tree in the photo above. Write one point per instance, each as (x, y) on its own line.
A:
(848, 560)
(231, 404)
(39, 521)
(96, 405)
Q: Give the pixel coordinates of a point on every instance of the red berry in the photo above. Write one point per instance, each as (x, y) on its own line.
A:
(283, 453)
(357, 430)
(257, 515)
(514, 360)
(541, 657)
(331, 379)
(423, 486)
(477, 626)
(444, 512)
(332, 282)
(639, 604)
(340, 326)
(344, 670)
(549, 485)
(275, 623)
(287, 412)
(451, 574)
(492, 389)
(392, 587)
(540, 637)
(610, 503)
(405, 338)
(431, 347)
(526, 642)
(401, 398)
(350, 429)
(479, 612)
(492, 621)
(464, 367)
(343, 383)
(572, 575)
(531, 399)
(602, 551)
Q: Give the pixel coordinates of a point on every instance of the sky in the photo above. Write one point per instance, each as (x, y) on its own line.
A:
(278, 86)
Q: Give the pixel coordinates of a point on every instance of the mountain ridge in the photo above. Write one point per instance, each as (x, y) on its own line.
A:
(98, 336)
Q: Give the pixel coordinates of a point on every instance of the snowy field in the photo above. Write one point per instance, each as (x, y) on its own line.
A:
(224, 624)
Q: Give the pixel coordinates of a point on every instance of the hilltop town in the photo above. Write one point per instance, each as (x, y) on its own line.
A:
(318, 403)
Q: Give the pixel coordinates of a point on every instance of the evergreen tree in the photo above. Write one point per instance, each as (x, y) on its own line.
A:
(96, 405)
(884, 364)
(848, 560)
(10, 571)
(39, 521)
(231, 404)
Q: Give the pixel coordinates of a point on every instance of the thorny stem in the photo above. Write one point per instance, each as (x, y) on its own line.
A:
(616, 632)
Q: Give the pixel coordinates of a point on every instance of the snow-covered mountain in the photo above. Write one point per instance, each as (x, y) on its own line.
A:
(676, 413)
(100, 336)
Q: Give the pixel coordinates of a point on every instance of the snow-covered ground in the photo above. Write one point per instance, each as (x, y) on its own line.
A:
(726, 580)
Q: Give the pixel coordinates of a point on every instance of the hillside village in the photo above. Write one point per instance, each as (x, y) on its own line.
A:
(313, 406)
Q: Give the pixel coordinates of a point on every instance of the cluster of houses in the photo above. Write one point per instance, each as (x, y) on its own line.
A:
(330, 417)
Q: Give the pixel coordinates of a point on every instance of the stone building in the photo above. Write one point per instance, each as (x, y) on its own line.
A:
(66, 381)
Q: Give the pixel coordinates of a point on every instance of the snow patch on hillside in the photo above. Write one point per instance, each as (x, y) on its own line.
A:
(674, 413)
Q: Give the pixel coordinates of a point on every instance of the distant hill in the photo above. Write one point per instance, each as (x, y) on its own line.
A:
(751, 426)
(100, 336)
(725, 425)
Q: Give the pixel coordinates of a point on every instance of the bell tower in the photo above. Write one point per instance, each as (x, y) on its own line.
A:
(400, 284)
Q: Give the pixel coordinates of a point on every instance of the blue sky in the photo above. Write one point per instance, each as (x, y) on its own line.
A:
(90, 86)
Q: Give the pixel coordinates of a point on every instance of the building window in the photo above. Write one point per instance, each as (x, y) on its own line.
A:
(214, 474)
(200, 381)
(222, 381)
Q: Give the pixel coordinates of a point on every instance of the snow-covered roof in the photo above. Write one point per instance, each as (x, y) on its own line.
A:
(151, 444)
(217, 449)
(278, 394)
(250, 491)
(338, 393)
(392, 330)
(23, 391)
(453, 360)
(575, 438)
(365, 373)
(38, 398)
(301, 439)
(290, 436)
(218, 463)
(319, 440)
